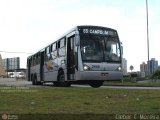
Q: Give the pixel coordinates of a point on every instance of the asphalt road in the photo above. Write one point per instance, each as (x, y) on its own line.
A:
(14, 82)
(120, 87)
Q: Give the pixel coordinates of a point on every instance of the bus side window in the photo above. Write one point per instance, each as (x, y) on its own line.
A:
(31, 61)
(47, 54)
(62, 43)
(58, 44)
(54, 51)
(61, 47)
(35, 60)
(54, 47)
(38, 59)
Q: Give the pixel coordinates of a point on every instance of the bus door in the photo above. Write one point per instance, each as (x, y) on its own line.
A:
(29, 69)
(71, 58)
(42, 66)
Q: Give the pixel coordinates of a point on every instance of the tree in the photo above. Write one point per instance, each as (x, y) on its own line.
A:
(131, 68)
(156, 74)
(132, 75)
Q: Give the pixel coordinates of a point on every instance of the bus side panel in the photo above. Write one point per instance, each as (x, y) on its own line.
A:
(50, 70)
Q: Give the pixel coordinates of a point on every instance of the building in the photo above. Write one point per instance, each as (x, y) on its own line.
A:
(149, 68)
(2, 70)
(11, 63)
(124, 66)
(11, 66)
(152, 66)
(143, 69)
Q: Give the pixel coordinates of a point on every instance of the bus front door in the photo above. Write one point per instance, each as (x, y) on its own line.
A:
(70, 58)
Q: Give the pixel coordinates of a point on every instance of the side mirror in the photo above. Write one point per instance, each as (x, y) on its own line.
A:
(77, 40)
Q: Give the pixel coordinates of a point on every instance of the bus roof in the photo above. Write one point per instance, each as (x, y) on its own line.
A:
(76, 28)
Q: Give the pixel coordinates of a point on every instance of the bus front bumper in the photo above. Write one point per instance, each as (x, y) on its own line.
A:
(99, 75)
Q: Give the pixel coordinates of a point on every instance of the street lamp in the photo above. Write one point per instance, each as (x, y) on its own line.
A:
(147, 29)
(147, 37)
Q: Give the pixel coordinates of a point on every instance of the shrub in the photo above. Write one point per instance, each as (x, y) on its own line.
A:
(156, 74)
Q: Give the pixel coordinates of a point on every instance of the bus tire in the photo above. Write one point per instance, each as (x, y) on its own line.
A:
(96, 84)
(56, 84)
(39, 83)
(33, 83)
(32, 79)
(35, 80)
(61, 80)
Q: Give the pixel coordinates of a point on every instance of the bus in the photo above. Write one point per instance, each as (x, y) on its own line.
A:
(85, 55)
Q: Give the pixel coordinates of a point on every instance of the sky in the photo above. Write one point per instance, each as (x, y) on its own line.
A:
(29, 25)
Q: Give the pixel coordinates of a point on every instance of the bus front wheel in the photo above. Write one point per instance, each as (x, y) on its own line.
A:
(96, 84)
(61, 80)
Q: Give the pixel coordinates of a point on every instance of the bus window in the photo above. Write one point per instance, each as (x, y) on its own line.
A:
(47, 50)
(62, 50)
(92, 48)
(54, 51)
(62, 42)
(47, 53)
(54, 47)
(112, 52)
(31, 60)
(38, 58)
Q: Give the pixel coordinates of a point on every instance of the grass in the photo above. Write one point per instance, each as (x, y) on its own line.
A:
(77, 101)
(129, 83)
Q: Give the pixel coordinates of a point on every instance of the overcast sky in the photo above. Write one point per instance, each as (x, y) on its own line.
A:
(29, 25)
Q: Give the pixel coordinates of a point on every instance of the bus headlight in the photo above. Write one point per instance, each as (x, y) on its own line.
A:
(119, 68)
(86, 67)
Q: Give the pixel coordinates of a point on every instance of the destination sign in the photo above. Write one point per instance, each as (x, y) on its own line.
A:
(97, 31)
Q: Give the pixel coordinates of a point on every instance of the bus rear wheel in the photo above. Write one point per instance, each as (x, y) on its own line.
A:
(34, 81)
(61, 80)
(56, 84)
(96, 84)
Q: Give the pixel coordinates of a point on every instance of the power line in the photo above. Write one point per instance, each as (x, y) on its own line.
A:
(16, 52)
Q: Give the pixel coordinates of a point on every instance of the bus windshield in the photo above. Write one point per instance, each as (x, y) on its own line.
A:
(100, 49)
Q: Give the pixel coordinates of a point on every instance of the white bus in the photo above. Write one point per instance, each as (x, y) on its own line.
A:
(85, 54)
